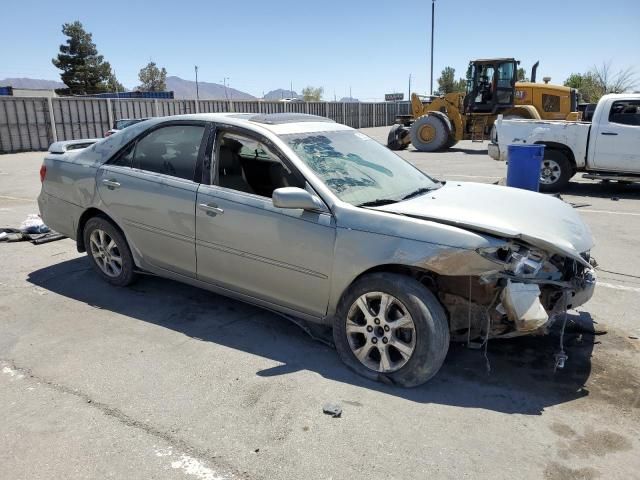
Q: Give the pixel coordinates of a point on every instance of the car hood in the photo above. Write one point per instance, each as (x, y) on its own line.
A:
(540, 220)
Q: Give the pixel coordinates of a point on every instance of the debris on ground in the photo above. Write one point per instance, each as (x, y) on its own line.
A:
(332, 409)
(33, 224)
(32, 229)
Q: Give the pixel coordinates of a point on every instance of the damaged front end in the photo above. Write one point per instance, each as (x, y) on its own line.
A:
(522, 296)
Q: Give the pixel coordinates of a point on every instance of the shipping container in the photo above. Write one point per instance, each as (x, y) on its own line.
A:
(125, 95)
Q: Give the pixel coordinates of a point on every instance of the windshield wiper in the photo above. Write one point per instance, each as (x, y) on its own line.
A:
(377, 202)
(417, 193)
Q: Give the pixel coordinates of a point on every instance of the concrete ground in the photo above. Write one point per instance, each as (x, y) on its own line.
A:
(161, 380)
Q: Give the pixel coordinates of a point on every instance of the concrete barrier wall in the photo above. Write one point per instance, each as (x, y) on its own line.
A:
(31, 124)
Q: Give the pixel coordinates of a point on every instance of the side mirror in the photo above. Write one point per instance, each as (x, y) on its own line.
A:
(294, 197)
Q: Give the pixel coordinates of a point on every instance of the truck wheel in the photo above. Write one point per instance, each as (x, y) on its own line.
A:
(396, 135)
(555, 172)
(451, 141)
(429, 133)
(108, 252)
(390, 328)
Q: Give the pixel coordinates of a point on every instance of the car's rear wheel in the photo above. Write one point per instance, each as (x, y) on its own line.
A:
(108, 252)
(389, 327)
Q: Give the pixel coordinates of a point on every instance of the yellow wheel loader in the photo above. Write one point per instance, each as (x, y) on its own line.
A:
(440, 122)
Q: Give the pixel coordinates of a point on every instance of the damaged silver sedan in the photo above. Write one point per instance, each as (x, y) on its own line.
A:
(313, 219)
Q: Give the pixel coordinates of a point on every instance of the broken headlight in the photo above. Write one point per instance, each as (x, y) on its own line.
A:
(517, 259)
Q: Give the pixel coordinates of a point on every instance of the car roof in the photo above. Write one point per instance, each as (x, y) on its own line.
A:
(278, 123)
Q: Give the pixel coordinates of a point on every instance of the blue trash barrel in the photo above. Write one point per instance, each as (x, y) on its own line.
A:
(525, 162)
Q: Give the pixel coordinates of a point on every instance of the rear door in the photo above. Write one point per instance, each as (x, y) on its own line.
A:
(246, 244)
(617, 138)
(149, 189)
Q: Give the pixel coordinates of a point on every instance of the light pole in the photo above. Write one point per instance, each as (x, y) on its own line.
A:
(433, 14)
(197, 88)
(224, 82)
(409, 96)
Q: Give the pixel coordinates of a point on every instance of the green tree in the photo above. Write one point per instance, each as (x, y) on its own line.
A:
(312, 94)
(460, 85)
(113, 85)
(587, 84)
(522, 75)
(83, 70)
(601, 80)
(447, 82)
(152, 78)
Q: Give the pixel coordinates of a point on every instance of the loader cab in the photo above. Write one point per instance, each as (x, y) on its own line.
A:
(490, 85)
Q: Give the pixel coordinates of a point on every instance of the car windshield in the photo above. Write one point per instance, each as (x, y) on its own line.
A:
(358, 169)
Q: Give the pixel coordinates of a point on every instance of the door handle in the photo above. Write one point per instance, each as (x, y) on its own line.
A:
(609, 133)
(211, 209)
(111, 183)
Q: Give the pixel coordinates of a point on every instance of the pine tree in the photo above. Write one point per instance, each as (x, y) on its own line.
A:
(83, 70)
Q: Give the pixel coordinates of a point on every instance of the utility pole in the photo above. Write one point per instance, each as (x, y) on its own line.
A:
(409, 97)
(197, 89)
(433, 14)
(350, 97)
(224, 82)
(291, 88)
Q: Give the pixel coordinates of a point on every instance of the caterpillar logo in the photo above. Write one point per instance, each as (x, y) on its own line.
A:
(521, 94)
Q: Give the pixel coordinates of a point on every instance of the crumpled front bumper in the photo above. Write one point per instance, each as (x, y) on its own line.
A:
(522, 302)
(584, 291)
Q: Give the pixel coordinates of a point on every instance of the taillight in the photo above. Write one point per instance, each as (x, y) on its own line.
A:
(43, 172)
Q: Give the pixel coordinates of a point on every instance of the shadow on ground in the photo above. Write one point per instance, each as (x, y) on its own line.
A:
(521, 378)
(597, 189)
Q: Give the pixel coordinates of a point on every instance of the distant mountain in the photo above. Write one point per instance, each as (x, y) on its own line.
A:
(280, 93)
(349, 100)
(207, 91)
(31, 83)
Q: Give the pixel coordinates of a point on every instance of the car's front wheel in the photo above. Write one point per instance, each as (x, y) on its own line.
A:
(390, 327)
(108, 252)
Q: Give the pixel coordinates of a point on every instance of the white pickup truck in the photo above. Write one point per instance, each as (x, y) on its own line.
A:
(608, 148)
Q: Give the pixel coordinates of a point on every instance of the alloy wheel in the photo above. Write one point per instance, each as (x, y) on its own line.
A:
(381, 332)
(106, 253)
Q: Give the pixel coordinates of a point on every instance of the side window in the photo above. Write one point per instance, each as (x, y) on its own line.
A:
(171, 150)
(125, 157)
(550, 103)
(247, 165)
(626, 112)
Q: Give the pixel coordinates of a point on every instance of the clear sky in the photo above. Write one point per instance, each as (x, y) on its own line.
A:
(371, 46)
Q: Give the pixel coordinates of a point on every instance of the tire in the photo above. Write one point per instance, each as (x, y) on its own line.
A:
(113, 262)
(394, 139)
(451, 141)
(434, 138)
(556, 171)
(424, 341)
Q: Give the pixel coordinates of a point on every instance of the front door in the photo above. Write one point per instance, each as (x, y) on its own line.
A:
(244, 243)
(150, 192)
(617, 138)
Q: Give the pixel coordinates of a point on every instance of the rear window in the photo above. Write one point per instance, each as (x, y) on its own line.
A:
(120, 124)
(626, 112)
